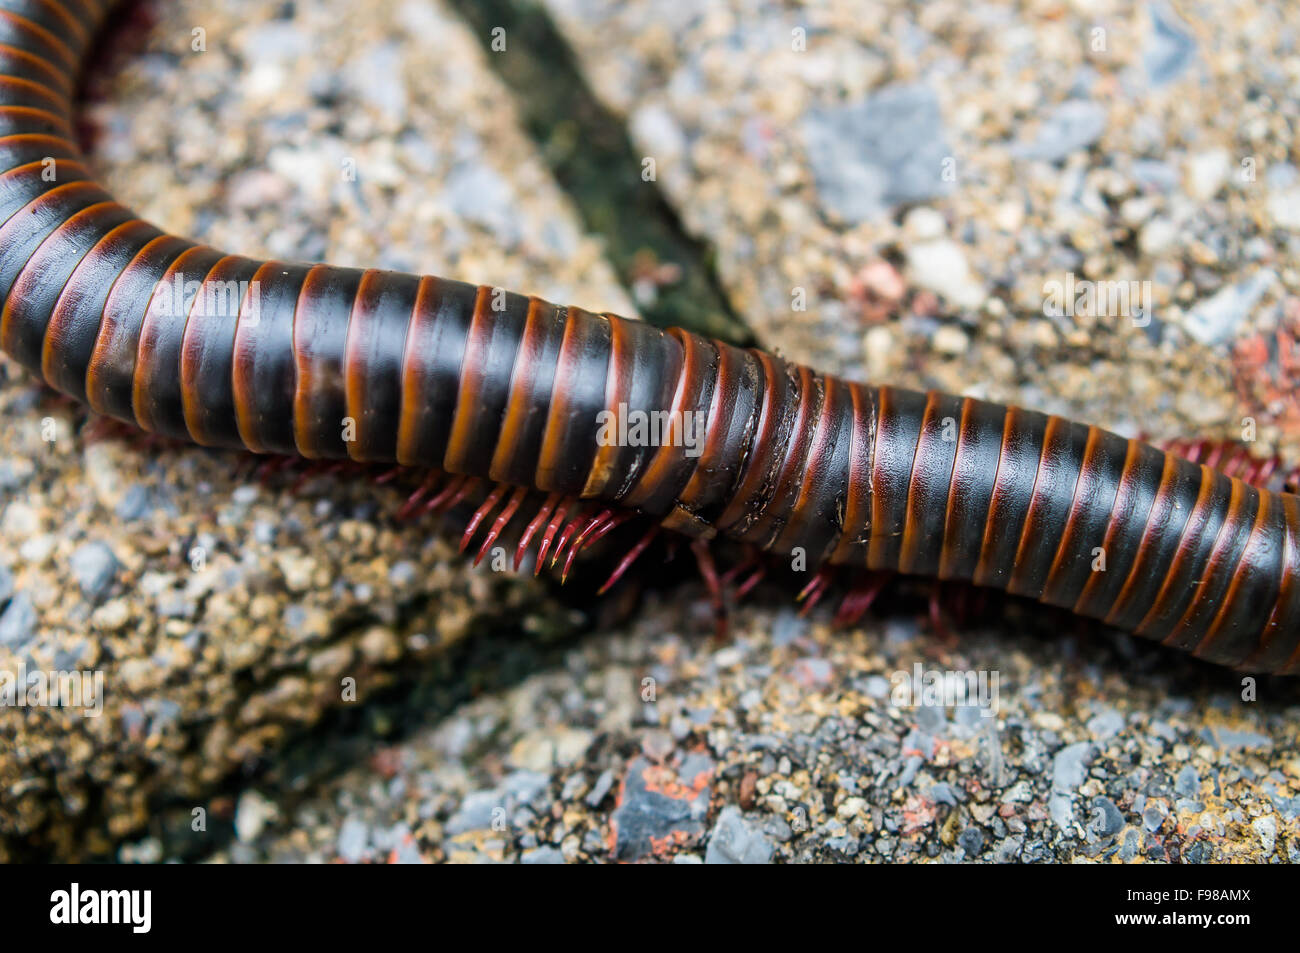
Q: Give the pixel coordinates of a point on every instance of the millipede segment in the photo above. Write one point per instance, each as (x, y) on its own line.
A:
(602, 417)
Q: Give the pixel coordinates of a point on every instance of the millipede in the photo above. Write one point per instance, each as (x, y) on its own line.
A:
(502, 394)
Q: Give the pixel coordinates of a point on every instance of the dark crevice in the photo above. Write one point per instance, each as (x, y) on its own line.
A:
(587, 148)
(491, 659)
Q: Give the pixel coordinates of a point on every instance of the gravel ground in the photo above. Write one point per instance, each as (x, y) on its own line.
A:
(647, 740)
(790, 743)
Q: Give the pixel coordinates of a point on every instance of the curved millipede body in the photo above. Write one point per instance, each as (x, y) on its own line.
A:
(279, 357)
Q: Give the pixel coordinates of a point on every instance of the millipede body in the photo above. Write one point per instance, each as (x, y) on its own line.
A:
(277, 357)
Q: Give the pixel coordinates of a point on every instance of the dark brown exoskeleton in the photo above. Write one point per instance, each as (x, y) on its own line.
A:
(183, 340)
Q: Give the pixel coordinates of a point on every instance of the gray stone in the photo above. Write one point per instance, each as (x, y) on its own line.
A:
(1132, 843)
(13, 474)
(17, 622)
(877, 686)
(1214, 320)
(94, 567)
(354, 837)
(1155, 175)
(1188, 783)
(600, 789)
(1288, 807)
(971, 840)
(1069, 768)
(734, 841)
(1008, 850)
(379, 85)
(652, 814)
(164, 713)
(1106, 724)
(1073, 125)
(1170, 47)
(942, 793)
(788, 626)
(477, 812)
(1281, 175)
(277, 41)
(776, 828)
(1108, 820)
(135, 504)
(1230, 739)
(407, 853)
(872, 155)
(402, 574)
(6, 585)
(542, 855)
(1266, 829)
(910, 767)
(478, 193)
(525, 786)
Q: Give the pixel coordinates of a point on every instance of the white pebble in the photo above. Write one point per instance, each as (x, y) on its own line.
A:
(941, 266)
(924, 224)
(1206, 172)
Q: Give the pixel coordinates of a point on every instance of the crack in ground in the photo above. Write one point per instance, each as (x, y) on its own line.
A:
(588, 151)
